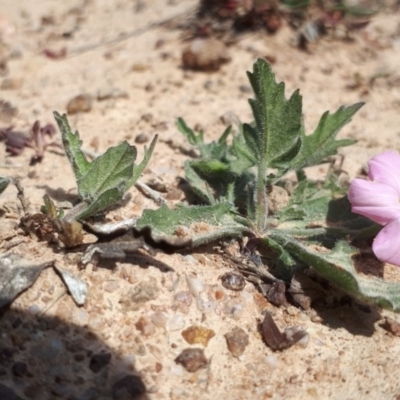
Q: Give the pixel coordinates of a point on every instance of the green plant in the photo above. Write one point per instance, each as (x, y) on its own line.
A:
(233, 181)
(103, 181)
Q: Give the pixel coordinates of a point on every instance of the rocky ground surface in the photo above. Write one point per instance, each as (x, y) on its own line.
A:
(131, 337)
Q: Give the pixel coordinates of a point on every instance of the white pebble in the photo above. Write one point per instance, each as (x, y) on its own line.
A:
(175, 323)
(195, 285)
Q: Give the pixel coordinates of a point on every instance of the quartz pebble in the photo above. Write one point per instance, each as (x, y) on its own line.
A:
(192, 359)
(237, 340)
(177, 322)
(159, 319)
(234, 308)
(195, 285)
(198, 335)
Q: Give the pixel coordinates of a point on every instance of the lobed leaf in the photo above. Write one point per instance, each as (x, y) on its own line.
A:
(336, 266)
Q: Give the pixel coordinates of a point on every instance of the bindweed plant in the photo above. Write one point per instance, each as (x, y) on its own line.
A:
(234, 180)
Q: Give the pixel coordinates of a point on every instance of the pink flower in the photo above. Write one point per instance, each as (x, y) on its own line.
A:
(379, 200)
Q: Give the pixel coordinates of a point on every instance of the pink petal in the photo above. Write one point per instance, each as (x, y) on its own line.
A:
(386, 245)
(385, 168)
(374, 200)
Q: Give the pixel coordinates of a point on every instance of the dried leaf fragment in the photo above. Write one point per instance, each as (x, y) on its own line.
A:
(76, 287)
(16, 275)
(277, 340)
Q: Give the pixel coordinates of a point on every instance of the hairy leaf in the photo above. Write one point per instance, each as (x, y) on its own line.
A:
(165, 221)
(337, 267)
(277, 120)
(4, 182)
(321, 143)
(72, 145)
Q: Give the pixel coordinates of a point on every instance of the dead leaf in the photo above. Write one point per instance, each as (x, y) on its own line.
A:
(76, 287)
(16, 275)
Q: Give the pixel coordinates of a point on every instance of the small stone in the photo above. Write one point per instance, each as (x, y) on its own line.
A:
(80, 103)
(198, 335)
(174, 194)
(99, 361)
(233, 281)
(192, 359)
(141, 138)
(7, 111)
(183, 297)
(237, 340)
(205, 55)
(234, 308)
(128, 388)
(148, 117)
(176, 323)
(196, 286)
(145, 326)
(159, 319)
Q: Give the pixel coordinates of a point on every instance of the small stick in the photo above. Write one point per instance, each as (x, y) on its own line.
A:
(154, 195)
(21, 196)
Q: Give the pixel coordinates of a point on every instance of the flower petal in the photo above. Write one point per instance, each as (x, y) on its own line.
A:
(374, 200)
(385, 168)
(386, 245)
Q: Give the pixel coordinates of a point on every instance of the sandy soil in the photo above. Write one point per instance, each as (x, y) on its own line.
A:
(348, 356)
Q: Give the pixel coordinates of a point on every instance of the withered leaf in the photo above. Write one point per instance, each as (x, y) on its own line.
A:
(277, 340)
(16, 275)
(70, 233)
(76, 287)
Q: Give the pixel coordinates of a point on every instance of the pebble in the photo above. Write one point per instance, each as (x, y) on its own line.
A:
(206, 306)
(192, 359)
(234, 308)
(183, 297)
(205, 55)
(177, 322)
(271, 361)
(237, 340)
(80, 103)
(141, 138)
(233, 281)
(128, 387)
(198, 335)
(99, 361)
(33, 309)
(145, 326)
(159, 319)
(195, 285)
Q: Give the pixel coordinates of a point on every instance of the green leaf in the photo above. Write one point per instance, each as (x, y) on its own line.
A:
(321, 143)
(164, 221)
(104, 181)
(277, 120)
(337, 267)
(4, 182)
(199, 186)
(138, 169)
(72, 145)
(190, 134)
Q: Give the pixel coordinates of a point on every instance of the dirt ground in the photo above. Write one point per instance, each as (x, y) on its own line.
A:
(133, 319)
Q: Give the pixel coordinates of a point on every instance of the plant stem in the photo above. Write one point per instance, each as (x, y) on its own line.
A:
(260, 199)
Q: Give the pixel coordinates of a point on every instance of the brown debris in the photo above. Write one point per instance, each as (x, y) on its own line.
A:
(277, 340)
(237, 340)
(391, 325)
(192, 359)
(80, 103)
(198, 335)
(205, 55)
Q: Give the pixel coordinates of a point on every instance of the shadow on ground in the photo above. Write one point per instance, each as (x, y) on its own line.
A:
(44, 358)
